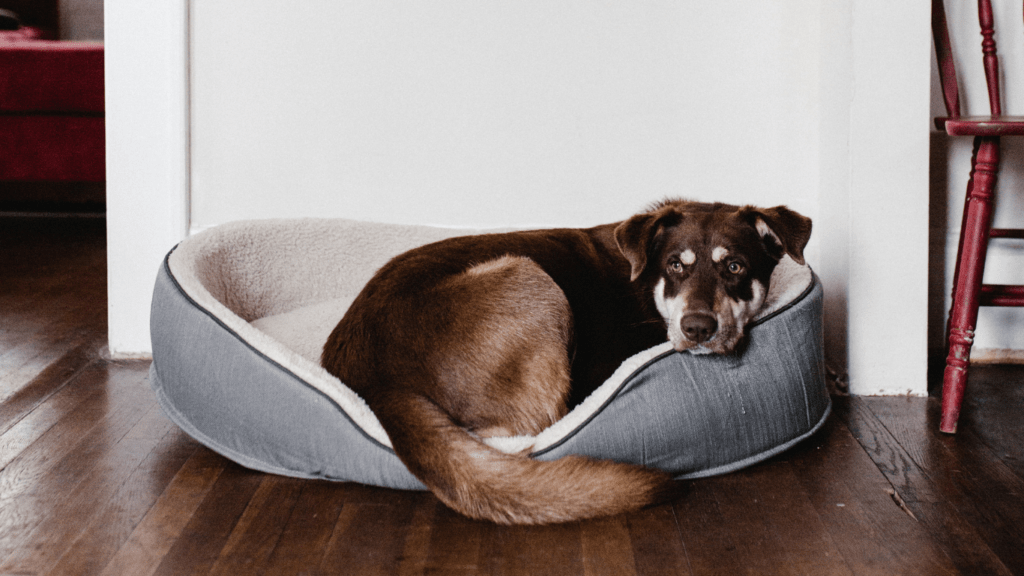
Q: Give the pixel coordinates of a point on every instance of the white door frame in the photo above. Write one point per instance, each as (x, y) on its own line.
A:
(147, 101)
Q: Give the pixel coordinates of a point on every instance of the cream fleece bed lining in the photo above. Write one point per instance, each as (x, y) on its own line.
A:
(280, 286)
(286, 295)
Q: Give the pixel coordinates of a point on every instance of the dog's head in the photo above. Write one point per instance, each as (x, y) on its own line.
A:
(709, 266)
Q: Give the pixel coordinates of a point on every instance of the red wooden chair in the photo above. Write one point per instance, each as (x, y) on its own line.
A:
(968, 290)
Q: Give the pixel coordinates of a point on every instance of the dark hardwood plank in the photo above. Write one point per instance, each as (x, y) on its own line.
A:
(31, 355)
(106, 532)
(808, 546)
(259, 529)
(88, 387)
(64, 453)
(55, 326)
(52, 298)
(658, 549)
(308, 529)
(417, 549)
(41, 456)
(709, 540)
(200, 543)
(78, 485)
(164, 523)
(852, 498)
(755, 546)
(369, 535)
(204, 537)
(534, 550)
(782, 531)
(55, 375)
(938, 479)
(992, 411)
(44, 261)
(607, 547)
(455, 543)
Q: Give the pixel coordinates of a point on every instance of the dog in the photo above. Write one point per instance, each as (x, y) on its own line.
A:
(499, 334)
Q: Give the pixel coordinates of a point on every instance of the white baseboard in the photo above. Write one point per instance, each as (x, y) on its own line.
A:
(996, 356)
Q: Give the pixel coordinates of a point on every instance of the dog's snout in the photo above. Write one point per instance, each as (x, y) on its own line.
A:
(699, 327)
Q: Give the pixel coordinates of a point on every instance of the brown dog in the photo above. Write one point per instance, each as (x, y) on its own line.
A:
(498, 334)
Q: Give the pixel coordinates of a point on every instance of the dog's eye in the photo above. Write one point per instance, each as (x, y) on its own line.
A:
(675, 266)
(735, 267)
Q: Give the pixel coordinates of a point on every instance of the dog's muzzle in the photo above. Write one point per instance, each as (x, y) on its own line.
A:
(698, 327)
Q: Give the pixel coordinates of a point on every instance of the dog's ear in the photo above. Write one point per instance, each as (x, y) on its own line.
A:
(637, 236)
(782, 226)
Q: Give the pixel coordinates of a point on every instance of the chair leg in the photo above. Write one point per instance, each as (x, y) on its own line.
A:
(960, 244)
(974, 236)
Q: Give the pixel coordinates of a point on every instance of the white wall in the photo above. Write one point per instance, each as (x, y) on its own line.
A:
(999, 333)
(462, 113)
(465, 113)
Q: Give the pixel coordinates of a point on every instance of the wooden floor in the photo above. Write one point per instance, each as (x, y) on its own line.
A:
(95, 480)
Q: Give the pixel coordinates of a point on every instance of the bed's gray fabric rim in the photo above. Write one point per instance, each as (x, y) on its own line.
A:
(230, 398)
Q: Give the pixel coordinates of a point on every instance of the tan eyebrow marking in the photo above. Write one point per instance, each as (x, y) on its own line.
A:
(719, 253)
(688, 257)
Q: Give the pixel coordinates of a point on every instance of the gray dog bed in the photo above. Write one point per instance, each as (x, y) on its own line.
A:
(240, 312)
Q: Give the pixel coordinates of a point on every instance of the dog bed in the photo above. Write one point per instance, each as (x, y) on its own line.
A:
(240, 312)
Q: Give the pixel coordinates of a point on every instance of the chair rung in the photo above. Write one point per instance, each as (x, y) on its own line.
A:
(1001, 295)
(1006, 233)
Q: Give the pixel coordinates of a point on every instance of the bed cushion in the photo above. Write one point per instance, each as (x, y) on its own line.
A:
(240, 312)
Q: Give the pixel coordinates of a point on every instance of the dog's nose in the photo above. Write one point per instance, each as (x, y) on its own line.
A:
(699, 327)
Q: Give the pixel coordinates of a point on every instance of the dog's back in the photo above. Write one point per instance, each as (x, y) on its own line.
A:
(453, 344)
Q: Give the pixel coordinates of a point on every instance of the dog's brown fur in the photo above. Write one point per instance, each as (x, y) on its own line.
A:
(496, 335)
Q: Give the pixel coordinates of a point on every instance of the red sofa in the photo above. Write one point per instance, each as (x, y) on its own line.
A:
(51, 109)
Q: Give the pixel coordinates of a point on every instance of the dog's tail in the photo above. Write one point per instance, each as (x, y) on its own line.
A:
(481, 482)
